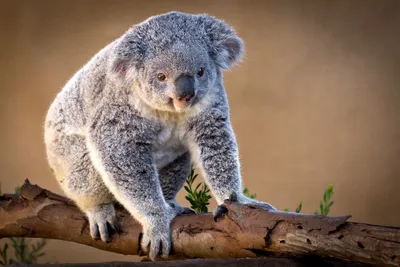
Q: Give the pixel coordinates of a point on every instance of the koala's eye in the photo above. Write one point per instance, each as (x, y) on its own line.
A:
(161, 77)
(200, 72)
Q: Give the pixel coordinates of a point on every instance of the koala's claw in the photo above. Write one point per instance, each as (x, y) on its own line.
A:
(155, 244)
(103, 222)
(219, 212)
(233, 197)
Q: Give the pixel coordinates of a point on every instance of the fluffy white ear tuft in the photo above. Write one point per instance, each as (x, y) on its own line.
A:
(229, 52)
(129, 52)
(225, 47)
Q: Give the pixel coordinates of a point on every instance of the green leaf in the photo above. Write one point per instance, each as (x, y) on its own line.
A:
(298, 209)
(325, 195)
(192, 202)
(326, 203)
(3, 254)
(330, 188)
(5, 248)
(199, 196)
(197, 187)
(246, 192)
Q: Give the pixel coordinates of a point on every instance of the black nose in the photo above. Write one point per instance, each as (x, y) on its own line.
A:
(184, 86)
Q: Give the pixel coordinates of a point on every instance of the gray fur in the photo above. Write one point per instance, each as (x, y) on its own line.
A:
(116, 133)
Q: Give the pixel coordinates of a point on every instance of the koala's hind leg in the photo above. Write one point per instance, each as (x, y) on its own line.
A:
(172, 178)
(83, 184)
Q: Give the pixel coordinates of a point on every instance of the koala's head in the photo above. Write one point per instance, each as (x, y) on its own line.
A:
(175, 58)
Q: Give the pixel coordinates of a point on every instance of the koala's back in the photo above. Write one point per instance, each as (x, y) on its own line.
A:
(67, 118)
(79, 97)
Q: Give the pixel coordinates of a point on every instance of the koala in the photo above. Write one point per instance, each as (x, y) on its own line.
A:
(127, 127)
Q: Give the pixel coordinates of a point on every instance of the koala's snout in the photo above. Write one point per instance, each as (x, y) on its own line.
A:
(185, 92)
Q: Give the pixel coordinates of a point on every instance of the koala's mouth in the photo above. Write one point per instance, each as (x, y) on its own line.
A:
(182, 103)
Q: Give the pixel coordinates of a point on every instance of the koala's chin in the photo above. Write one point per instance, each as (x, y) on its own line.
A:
(182, 105)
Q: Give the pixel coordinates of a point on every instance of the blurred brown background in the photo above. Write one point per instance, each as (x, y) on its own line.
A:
(317, 100)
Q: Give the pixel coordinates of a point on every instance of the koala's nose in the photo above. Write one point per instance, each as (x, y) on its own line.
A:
(184, 86)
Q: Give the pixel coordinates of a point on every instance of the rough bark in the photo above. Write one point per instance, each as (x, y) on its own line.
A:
(243, 232)
(258, 262)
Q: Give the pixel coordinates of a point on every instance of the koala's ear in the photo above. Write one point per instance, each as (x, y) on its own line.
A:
(127, 55)
(226, 48)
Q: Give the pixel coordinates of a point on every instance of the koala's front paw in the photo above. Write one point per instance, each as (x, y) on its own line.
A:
(246, 200)
(99, 219)
(157, 238)
(178, 209)
(260, 204)
(220, 210)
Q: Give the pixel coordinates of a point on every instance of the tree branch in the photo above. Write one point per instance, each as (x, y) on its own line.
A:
(244, 231)
(256, 262)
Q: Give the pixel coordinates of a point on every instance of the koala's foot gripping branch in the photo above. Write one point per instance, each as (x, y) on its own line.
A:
(240, 231)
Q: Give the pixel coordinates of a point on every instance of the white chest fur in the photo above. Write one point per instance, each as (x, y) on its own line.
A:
(169, 145)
